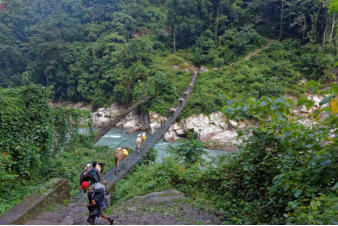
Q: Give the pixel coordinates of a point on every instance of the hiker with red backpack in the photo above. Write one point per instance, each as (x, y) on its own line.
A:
(96, 202)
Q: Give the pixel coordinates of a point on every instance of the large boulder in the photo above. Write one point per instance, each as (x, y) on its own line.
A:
(213, 129)
(170, 136)
(233, 124)
(103, 115)
(132, 123)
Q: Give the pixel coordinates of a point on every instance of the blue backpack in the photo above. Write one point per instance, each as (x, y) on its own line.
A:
(93, 177)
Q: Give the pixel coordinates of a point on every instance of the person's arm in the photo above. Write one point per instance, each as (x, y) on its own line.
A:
(93, 203)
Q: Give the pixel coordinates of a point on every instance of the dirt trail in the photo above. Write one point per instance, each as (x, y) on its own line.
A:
(169, 207)
(257, 51)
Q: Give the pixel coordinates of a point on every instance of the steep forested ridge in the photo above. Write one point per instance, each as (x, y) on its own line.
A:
(113, 51)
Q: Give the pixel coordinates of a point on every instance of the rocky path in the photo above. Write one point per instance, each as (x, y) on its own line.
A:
(169, 207)
(73, 213)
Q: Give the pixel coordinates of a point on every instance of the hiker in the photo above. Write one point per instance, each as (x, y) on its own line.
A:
(87, 174)
(162, 120)
(96, 202)
(94, 174)
(138, 142)
(120, 155)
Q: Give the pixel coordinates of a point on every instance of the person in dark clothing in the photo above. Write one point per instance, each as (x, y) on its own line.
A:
(94, 174)
(94, 207)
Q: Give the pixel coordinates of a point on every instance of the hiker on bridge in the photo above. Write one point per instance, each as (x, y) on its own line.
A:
(96, 202)
(120, 155)
(138, 142)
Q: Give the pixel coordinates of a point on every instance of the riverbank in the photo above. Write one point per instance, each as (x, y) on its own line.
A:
(215, 129)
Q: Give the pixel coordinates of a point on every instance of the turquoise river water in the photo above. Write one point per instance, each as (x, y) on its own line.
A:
(116, 136)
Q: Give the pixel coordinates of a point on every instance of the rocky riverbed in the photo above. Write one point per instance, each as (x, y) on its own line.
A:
(215, 129)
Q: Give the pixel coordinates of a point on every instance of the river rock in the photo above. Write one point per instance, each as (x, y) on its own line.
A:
(233, 124)
(178, 129)
(226, 138)
(132, 123)
(218, 119)
(170, 136)
(316, 99)
(180, 132)
(213, 128)
(208, 134)
(103, 115)
(242, 125)
(203, 69)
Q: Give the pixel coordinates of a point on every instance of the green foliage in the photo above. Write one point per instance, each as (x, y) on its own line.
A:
(276, 71)
(283, 173)
(32, 138)
(119, 51)
(143, 179)
(228, 47)
(295, 164)
(26, 134)
(150, 157)
(189, 152)
(116, 51)
(334, 6)
(70, 163)
(321, 210)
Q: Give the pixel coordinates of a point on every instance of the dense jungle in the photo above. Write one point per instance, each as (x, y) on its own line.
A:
(258, 60)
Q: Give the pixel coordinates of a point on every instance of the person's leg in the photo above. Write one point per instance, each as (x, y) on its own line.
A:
(109, 219)
(91, 220)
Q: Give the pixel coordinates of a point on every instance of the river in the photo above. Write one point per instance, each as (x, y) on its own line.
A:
(116, 137)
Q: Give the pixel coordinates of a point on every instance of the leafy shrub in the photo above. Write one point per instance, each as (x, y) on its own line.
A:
(150, 157)
(189, 152)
